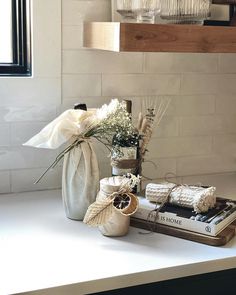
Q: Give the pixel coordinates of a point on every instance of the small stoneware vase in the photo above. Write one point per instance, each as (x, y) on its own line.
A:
(80, 180)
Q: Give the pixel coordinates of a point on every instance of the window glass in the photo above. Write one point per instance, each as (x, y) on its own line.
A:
(6, 54)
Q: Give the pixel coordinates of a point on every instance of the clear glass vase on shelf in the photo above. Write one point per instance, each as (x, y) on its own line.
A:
(125, 9)
(146, 10)
(185, 11)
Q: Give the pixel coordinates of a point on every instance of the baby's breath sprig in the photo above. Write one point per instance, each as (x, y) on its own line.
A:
(133, 180)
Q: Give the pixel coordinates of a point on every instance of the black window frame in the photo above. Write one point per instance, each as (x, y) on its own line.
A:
(21, 41)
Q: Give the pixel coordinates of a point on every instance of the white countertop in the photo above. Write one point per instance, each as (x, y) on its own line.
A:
(40, 248)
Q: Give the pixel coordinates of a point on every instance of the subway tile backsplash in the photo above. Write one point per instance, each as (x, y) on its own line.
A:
(76, 11)
(82, 85)
(24, 180)
(180, 146)
(20, 157)
(96, 61)
(5, 183)
(213, 163)
(140, 84)
(180, 63)
(39, 91)
(4, 134)
(197, 135)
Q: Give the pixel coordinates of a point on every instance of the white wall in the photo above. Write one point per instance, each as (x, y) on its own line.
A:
(27, 104)
(197, 135)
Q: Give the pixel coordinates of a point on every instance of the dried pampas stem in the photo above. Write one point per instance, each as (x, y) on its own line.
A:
(145, 125)
(140, 122)
(154, 109)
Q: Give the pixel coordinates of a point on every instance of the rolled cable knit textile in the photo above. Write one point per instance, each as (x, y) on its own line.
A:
(201, 199)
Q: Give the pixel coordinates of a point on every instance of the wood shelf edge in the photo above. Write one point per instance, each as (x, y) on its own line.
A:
(102, 35)
(133, 37)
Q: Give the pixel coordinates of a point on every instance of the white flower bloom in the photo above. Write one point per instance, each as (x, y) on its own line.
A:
(107, 110)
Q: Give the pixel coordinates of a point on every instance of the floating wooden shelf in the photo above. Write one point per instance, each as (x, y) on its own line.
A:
(133, 37)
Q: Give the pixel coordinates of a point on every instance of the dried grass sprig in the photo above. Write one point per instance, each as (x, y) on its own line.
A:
(155, 108)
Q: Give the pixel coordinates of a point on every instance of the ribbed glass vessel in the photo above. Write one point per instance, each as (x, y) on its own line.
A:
(146, 10)
(125, 9)
(185, 11)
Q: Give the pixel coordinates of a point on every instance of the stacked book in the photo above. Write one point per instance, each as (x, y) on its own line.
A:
(210, 227)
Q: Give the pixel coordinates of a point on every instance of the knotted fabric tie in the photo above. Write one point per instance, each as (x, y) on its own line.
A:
(152, 222)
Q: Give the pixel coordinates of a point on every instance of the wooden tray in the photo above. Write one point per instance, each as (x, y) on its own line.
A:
(221, 239)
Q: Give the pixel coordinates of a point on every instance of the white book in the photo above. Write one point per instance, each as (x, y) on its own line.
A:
(216, 219)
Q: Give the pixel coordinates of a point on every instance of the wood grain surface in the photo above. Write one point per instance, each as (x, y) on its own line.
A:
(134, 37)
(177, 38)
(224, 2)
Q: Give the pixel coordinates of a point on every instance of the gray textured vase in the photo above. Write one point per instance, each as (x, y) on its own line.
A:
(80, 180)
